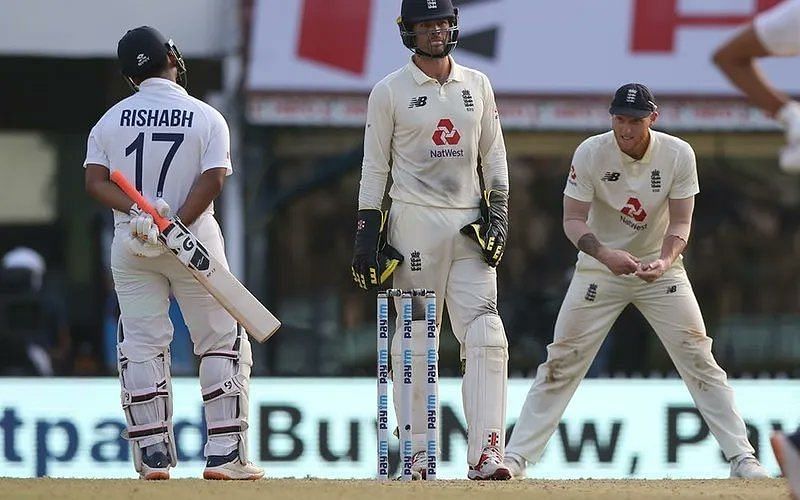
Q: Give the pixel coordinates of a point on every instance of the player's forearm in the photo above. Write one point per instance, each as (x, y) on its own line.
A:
(372, 187)
(207, 188)
(107, 193)
(672, 247)
(581, 236)
(495, 175)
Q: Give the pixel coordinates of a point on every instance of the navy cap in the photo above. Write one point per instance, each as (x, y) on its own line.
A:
(141, 50)
(417, 11)
(633, 99)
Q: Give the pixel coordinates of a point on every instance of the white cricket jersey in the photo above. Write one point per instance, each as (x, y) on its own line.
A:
(630, 198)
(162, 139)
(432, 135)
(778, 28)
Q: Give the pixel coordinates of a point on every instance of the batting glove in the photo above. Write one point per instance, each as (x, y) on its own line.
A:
(141, 223)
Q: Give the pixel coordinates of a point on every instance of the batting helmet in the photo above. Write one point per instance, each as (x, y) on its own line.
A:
(143, 50)
(417, 11)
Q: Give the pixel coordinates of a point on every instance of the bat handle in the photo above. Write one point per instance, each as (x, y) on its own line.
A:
(119, 179)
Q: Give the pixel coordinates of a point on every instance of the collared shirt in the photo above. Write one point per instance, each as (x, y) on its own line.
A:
(432, 135)
(778, 28)
(629, 197)
(162, 139)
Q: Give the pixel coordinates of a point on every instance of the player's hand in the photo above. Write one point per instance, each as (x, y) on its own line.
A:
(789, 116)
(141, 248)
(491, 230)
(373, 259)
(651, 271)
(619, 261)
(141, 224)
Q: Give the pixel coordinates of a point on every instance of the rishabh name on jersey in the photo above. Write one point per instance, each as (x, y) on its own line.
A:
(631, 212)
(162, 140)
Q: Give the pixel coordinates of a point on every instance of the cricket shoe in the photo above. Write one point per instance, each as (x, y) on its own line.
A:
(788, 455)
(746, 466)
(489, 467)
(228, 467)
(155, 466)
(516, 465)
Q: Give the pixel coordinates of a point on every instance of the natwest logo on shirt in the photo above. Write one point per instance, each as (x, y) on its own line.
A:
(446, 133)
(634, 210)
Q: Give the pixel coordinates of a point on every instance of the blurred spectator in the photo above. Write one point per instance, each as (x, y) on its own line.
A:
(34, 330)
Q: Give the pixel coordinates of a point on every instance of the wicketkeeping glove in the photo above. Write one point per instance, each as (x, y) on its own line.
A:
(491, 229)
(373, 259)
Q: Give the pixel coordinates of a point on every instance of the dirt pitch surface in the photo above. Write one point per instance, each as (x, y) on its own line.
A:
(301, 489)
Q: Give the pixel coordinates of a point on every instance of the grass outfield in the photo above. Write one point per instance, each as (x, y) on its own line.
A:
(301, 489)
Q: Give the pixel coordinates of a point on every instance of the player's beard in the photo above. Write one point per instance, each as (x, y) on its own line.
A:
(436, 45)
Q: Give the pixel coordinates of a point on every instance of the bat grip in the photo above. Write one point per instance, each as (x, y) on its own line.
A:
(119, 179)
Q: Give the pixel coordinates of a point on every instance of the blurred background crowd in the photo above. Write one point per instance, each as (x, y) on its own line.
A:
(289, 211)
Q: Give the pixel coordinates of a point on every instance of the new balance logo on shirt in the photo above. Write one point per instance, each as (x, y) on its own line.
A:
(610, 177)
(418, 102)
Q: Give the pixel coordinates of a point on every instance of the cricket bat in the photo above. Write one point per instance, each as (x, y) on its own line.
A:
(220, 283)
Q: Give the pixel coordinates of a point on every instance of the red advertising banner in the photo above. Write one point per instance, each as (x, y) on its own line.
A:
(527, 47)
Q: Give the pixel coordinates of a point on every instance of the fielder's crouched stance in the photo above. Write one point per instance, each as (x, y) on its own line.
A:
(628, 207)
(433, 119)
(177, 151)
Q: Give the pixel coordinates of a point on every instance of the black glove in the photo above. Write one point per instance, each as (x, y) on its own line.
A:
(373, 259)
(491, 229)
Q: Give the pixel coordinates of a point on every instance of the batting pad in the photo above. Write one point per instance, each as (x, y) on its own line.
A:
(225, 383)
(484, 386)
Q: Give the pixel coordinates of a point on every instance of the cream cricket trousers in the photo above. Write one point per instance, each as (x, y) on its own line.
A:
(594, 300)
(439, 257)
(143, 286)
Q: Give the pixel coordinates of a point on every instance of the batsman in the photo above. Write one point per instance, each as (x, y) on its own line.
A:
(176, 149)
(431, 123)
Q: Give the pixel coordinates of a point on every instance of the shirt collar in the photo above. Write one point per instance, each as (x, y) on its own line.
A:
(155, 83)
(456, 72)
(648, 154)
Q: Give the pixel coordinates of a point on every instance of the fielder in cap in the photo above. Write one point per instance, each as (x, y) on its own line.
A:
(628, 206)
(176, 149)
(434, 121)
(775, 32)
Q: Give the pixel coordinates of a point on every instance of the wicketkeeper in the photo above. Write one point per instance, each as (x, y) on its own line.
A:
(434, 121)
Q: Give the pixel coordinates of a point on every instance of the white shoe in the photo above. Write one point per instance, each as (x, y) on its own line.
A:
(489, 467)
(419, 466)
(788, 456)
(155, 466)
(228, 467)
(516, 465)
(747, 466)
